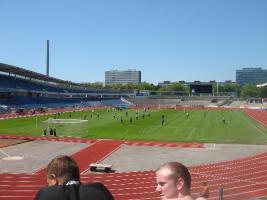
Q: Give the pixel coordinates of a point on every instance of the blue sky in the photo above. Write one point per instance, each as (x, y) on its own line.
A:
(166, 39)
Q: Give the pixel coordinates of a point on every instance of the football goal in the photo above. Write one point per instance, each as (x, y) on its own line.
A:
(167, 106)
(65, 127)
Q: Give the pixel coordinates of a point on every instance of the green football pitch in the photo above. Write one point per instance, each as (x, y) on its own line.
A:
(179, 125)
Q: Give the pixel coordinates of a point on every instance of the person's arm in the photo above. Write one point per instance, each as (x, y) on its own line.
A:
(200, 198)
(205, 192)
(37, 196)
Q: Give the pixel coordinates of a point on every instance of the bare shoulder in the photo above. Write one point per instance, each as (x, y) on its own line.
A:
(200, 198)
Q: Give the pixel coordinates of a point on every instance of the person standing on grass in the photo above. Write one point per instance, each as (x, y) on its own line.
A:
(55, 132)
(45, 132)
(51, 131)
(162, 119)
(223, 120)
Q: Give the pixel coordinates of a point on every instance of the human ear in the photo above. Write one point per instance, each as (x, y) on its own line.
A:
(180, 184)
(52, 180)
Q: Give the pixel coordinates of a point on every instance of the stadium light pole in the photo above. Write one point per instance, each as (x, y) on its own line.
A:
(217, 88)
(47, 58)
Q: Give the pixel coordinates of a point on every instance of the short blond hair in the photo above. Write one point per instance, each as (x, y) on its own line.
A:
(177, 170)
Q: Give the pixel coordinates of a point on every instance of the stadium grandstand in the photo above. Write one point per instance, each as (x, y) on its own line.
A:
(23, 89)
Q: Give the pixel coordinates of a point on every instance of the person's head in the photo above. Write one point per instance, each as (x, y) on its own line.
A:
(173, 179)
(205, 183)
(62, 169)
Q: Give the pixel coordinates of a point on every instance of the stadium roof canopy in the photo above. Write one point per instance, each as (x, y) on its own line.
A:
(31, 74)
(262, 85)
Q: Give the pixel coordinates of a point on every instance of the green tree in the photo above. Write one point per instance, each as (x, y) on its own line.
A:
(228, 87)
(250, 91)
(263, 92)
(145, 86)
(176, 87)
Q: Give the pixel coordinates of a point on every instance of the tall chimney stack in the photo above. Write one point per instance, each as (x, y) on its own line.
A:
(47, 58)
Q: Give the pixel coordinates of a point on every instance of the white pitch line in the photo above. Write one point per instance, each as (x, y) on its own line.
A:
(191, 132)
(4, 153)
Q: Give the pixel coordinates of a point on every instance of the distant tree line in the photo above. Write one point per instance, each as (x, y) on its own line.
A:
(242, 91)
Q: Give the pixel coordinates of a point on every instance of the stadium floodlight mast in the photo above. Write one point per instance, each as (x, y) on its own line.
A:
(47, 58)
(217, 88)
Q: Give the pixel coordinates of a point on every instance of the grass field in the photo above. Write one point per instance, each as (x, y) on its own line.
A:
(199, 126)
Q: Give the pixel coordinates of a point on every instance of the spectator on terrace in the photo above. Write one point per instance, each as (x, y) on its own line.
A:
(63, 178)
(173, 182)
(205, 193)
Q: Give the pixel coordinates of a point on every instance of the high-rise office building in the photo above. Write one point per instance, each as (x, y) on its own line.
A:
(122, 77)
(251, 76)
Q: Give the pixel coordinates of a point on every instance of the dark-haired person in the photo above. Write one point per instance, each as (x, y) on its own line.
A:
(63, 179)
(51, 131)
(55, 132)
(173, 182)
(45, 132)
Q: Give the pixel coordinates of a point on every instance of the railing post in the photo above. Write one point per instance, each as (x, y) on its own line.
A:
(220, 193)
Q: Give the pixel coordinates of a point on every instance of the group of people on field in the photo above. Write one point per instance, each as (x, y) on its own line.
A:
(52, 132)
(173, 181)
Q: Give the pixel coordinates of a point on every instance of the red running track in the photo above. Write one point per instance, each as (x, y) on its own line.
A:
(258, 115)
(242, 179)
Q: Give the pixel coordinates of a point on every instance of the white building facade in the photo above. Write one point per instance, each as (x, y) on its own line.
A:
(122, 77)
